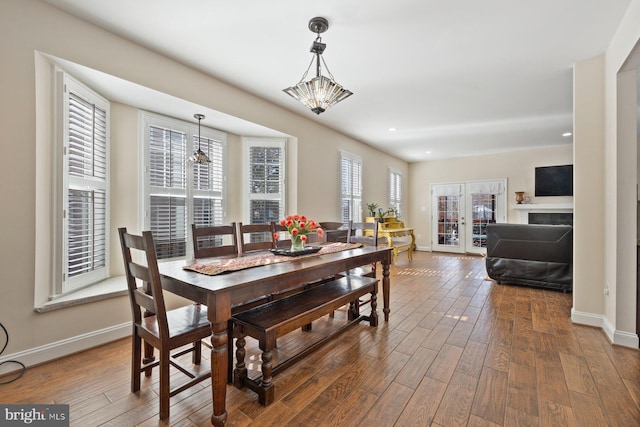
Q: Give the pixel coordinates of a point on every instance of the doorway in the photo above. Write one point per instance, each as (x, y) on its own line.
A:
(460, 213)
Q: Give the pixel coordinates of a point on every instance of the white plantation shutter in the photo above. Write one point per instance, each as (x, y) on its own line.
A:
(395, 190)
(264, 160)
(168, 191)
(351, 187)
(208, 183)
(85, 134)
(181, 192)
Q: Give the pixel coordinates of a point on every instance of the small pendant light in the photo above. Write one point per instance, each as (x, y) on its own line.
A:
(199, 157)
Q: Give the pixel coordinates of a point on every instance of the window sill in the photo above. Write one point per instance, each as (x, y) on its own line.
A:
(109, 288)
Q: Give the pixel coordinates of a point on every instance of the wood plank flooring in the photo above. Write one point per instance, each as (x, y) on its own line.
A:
(458, 350)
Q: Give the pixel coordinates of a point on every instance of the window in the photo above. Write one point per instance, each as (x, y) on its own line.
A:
(84, 134)
(264, 160)
(351, 187)
(395, 191)
(180, 192)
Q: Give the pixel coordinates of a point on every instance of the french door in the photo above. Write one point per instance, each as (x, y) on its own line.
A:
(460, 213)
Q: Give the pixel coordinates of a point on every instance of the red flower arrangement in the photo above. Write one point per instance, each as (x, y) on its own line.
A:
(298, 227)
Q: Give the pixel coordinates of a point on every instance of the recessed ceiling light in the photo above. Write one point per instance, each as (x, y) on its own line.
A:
(392, 129)
(428, 152)
(567, 134)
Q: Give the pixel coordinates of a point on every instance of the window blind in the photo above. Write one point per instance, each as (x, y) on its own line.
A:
(351, 187)
(181, 192)
(208, 182)
(167, 186)
(395, 191)
(265, 166)
(85, 220)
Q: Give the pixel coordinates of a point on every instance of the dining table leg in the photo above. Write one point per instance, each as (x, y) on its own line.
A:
(219, 312)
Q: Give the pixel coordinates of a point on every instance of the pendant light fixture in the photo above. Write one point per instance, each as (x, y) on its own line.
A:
(320, 92)
(199, 157)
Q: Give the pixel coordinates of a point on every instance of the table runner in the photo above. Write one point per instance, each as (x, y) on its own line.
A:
(223, 265)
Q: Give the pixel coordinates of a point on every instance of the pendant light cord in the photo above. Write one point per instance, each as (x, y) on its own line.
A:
(23, 368)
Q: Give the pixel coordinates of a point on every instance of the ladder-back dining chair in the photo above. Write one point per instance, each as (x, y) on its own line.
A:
(283, 240)
(222, 241)
(214, 241)
(365, 233)
(255, 237)
(356, 233)
(180, 329)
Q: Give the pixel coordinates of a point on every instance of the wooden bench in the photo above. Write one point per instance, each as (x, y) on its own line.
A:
(267, 322)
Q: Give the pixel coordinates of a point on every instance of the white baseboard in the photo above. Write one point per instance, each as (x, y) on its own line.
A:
(45, 353)
(626, 339)
(623, 338)
(588, 319)
(423, 248)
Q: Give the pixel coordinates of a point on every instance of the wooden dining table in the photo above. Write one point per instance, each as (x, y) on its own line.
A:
(223, 291)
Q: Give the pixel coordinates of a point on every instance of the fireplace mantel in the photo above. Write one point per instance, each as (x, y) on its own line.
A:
(526, 208)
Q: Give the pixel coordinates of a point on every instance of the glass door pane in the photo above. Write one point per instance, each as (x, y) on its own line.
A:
(448, 221)
(447, 218)
(483, 212)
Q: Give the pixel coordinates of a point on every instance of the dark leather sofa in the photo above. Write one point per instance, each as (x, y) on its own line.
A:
(531, 255)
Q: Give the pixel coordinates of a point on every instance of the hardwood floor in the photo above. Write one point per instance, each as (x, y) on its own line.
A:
(457, 350)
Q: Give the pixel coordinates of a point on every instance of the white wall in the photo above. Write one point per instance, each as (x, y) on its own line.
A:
(518, 167)
(27, 27)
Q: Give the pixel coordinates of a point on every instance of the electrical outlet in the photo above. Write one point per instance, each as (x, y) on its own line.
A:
(605, 291)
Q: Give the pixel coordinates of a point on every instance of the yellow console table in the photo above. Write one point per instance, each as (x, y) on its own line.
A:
(392, 228)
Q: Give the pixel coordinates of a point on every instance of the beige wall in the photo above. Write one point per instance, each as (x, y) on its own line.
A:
(29, 26)
(517, 167)
(620, 179)
(589, 200)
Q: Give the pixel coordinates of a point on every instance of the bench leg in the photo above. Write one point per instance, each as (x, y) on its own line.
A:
(240, 373)
(354, 310)
(266, 392)
(373, 317)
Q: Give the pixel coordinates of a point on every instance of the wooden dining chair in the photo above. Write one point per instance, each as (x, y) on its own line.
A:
(358, 234)
(335, 231)
(222, 241)
(214, 241)
(180, 329)
(284, 239)
(255, 237)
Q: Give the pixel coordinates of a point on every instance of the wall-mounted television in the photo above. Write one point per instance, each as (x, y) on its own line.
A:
(554, 181)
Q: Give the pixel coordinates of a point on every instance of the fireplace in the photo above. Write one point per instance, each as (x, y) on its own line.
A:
(548, 213)
(553, 218)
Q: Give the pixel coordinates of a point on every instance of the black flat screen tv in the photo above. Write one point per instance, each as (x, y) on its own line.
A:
(554, 181)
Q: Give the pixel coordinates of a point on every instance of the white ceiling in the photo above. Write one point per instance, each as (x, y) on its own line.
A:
(454, 77)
